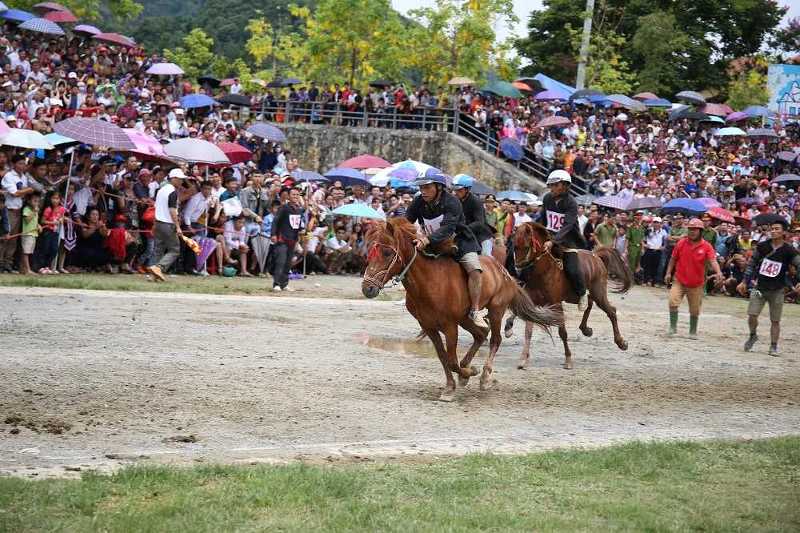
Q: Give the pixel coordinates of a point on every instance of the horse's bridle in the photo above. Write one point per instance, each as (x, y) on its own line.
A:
(380, 279)
(534, 255)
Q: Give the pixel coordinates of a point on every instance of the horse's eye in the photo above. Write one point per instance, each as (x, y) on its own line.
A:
(387, 253)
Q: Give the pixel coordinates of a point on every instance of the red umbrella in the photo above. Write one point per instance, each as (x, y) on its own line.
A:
(522, 86)
(721, 214)
(363, 161)
(720, 110)
(645, 96)
(61, 16)
(49, 6)
(550, 122)
(115, 38)
(235, 152)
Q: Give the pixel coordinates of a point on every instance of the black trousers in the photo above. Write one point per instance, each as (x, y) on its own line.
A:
(572, 268)
(282, 263)
(650, 263)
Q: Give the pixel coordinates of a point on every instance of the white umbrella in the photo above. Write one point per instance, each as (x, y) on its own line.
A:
(731, 132)
(32, 140)
(196, 151)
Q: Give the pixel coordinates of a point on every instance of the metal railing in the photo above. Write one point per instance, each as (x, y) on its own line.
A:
(420, 118)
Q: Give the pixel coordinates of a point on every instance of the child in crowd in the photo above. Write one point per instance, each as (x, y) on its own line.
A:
(30, 231)
(52, 218)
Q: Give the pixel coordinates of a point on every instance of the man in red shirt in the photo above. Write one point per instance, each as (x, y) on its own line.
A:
(689, 259)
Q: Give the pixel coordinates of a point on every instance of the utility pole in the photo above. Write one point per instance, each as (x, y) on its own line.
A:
(584, 53)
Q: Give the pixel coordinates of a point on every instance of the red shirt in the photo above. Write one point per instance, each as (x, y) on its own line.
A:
(690, 261)
(51, 215)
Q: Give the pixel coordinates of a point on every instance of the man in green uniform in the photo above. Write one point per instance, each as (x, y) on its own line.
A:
(634, 238)
(605, 231)
(709, 233)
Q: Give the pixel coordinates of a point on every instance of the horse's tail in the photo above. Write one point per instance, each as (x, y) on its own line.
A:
(619, 273)
(542, 316)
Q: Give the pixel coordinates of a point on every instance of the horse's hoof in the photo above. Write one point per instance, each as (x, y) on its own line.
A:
(448, 395)
(462, 381)
(567, 365)
(623, 345)
(473, 370)
(588, 332)
(486, 381)
(522, 366)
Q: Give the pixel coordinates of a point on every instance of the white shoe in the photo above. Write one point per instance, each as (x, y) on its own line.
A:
(276, 289)
(288, 289)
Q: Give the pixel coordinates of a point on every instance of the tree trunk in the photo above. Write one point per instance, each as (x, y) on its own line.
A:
(352, 67)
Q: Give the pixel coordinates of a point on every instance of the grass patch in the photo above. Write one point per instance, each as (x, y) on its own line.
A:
(711, 486)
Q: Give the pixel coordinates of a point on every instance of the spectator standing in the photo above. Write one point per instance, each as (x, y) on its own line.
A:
(15, 189)
(30, 230)
(654, 243)
(606, 232)
(285, 234)
(167, 231)
(635, 235)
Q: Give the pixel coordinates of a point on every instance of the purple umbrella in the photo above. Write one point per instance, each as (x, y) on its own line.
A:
(709, 202)
(207, 247)
(786, 156)
(643, 203)
(549, 95)
(747, 201)
(88, 29)
(786, 177)
(95, 132)
(267, 131)
(612, 202)
(737, 116)
(404, 174)
(165, 69)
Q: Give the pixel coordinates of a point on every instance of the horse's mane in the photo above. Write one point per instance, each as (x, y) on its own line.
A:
(401, 230)
(536, 228)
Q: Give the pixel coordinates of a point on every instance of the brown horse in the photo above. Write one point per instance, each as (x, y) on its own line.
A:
(436, 295)
(546, 283)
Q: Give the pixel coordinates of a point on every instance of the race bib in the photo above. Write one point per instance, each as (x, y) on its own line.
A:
(770, 268)
(554, 221)
(294, 221)
(433, 224)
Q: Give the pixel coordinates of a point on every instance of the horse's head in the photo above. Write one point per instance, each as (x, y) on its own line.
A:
(529, 242)
(389, 245)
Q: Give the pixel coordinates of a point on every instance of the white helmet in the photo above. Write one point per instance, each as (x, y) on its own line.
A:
(557, 176)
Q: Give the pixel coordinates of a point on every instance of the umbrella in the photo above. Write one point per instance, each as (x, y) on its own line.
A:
(193, 101)
(553, 121)
(235, 99)
(587, 94)
(55, 139)
(786, 155)
(348, 177)
(709, 202)
(622, 117)
(32, 140)
(358, 210)
(87, 29)
(533, 83)
(517, 196)
(114, 38)
(761, 162)
(381, 83)
(657, 102)
(191, 150)
(762, 132)
(414, 169)
(684, 205)
(481, 188)
(365, 161)
(145, 144)
(626, 102)
(736, 116)
(748, 200)
(260, 245)
(207, 247)
(41, 26)
(511, 149)
(17, 15)
(3, 7)
(768, 219)
(4, 127)
(49, 6)
(714, 119)
(643, 203)
(549, 95)
(403, 175)
(502, 88)
(165, 69)
(646, 96)
(95, 132)
(692, 97)
(208, 80)
(522, 86)
(585, 199)
(267, 131)
(721, 214)
(308, 175)
(290, 81)
(236, 152)
(460, 80)
(686, 113)
(757, 111)
(60, 16)
(720, 110)
(786, 177)
(731, 132)
(613, 202)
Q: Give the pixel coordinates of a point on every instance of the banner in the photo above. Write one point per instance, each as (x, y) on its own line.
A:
(783, 84)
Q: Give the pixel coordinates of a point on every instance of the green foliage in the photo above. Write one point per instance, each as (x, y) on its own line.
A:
(195, 57)
(661, 48)
(748, 88)
(606, 70)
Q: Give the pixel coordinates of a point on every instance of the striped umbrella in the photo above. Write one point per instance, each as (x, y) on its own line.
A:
(88, 29)
(42, 26)
(95, 132)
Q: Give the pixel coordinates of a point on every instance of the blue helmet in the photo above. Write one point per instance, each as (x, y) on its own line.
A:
(432, 175)
(462, 181)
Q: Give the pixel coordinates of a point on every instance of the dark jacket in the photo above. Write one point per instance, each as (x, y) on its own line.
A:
(443, 219)
(288, 222)
(475, 217)
(781, 259)
(560, 215)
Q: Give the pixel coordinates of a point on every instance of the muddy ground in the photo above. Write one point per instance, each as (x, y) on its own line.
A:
(95, 379)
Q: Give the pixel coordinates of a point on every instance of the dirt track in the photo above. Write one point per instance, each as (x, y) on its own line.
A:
(99, 379)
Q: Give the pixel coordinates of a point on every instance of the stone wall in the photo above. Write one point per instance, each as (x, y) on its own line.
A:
(321, 148)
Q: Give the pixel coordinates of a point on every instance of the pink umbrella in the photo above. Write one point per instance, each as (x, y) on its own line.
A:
(235, 152)
(550, 122)
(49, 6)
(4, 127)
(737, 116)
(145, 144)
(721, 214)
(60, 16)
(88, 29)
(709, 202)
(645, 96)
(363, 161)
(114, 38)
(720, 110)
(165, 69)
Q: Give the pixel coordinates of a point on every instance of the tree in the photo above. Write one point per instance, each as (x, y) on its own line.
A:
(748, 85)
(661, 48)
(605, 68)
(195, 57)
(93, 10)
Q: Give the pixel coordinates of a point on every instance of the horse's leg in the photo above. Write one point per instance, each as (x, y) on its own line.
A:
(451, 341)
(562, 332)
(448, 395)
(509, 327)
(495, 319)
(584, 327)
(526, 347)
(478, 337)
(611, 313)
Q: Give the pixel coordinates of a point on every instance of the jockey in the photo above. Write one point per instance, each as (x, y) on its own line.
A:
(440, 216)
(560, 214)
(474, 213)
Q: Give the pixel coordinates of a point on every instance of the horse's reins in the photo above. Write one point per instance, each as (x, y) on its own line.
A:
(529, 260)
(380, 279)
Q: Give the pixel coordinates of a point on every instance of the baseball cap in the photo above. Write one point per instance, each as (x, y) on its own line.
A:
(177, 173)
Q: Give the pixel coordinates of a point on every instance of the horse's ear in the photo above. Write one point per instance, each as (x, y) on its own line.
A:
(389, 227)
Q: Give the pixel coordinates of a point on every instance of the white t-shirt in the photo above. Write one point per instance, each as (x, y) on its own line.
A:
(162, 203)
(13, 182)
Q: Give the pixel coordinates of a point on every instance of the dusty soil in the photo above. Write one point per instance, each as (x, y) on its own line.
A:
(95, 379)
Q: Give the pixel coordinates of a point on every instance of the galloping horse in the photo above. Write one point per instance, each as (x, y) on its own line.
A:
(546, 283)
(436, 295)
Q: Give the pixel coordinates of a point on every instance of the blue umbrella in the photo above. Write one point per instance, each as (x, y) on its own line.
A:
(308, 175)
(348, 176)
(716, 120)
(684, 205)
(625, 101)
(358, 210)
(3, 7)
(56, 138)
(402, 184)
(267, 131)
(757, 111)
(511, 149)
(403, 174)
(17, 15)
(658, 102)
(192, 101)
(42, 26)
(516, 196)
